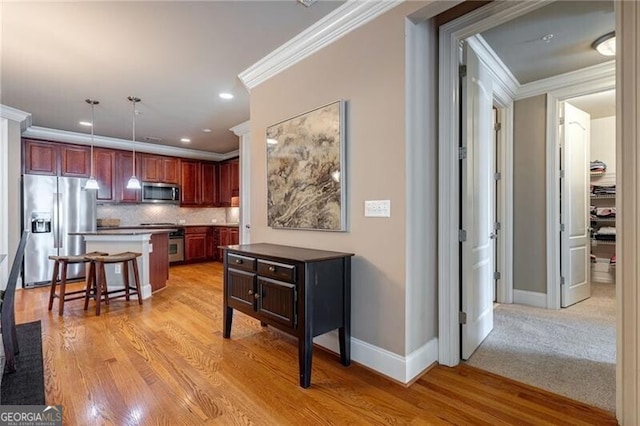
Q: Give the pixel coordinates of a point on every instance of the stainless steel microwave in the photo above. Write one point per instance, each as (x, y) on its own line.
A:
(153, 192)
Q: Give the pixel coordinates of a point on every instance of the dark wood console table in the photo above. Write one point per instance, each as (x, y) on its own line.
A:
(300, 291)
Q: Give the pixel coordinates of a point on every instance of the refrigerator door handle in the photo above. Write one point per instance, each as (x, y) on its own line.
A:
(56, 220)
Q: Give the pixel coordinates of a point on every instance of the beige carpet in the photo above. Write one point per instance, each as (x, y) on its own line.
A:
(571, 352)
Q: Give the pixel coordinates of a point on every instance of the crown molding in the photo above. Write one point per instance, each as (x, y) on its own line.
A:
(24, 118)
(500, 73)
(351, 15)
(114, 143)
(242, 128)
(562, 81)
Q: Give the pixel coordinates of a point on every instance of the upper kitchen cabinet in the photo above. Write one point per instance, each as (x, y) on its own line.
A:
(75, 161)
(54, 159)
(40, 158)
(104, 169)
(124, 171)
(156, 168)
(209, 184)
(190, 181)
(229, 183)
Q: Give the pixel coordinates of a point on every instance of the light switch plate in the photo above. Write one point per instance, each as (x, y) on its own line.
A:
(377, 208)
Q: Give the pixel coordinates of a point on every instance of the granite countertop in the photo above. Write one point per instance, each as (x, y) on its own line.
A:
(128, 231)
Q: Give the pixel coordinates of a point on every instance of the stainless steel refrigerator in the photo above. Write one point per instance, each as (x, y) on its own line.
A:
(52, 208)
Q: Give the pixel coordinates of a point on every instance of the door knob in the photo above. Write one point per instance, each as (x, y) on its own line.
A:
(493, 236)
(248, 226)
(250, 292)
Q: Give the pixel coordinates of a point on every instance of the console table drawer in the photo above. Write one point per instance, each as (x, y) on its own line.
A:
(278, 271)
(241, 262)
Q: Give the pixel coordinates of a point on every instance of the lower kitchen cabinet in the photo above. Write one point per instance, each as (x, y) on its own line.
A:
(300, 291)
(195, 243)
(226, 236)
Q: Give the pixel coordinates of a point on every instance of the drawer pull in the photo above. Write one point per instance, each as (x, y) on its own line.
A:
(239, 261)
(250, 292)
(272, 268)
(256, 296)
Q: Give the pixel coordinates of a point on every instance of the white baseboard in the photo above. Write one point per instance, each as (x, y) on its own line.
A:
(397, 367)
(530, 298)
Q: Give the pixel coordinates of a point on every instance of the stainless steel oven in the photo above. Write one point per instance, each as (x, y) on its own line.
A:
(176, 246)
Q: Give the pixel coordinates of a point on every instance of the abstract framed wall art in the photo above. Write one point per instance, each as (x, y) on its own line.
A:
(306, 170)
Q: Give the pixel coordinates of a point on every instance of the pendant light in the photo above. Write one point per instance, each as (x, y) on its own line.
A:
(134, 183)
(92, 183)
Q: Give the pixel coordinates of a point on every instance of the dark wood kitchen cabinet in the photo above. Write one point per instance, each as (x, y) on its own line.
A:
(56, 159)
(209, 184)
(229, 187)
(40, 157)
(190, 182)
(75, 161)
(124, 171)
(156, 168)
(300, 291)
(226, 236)
(104, 169)
(196, 239)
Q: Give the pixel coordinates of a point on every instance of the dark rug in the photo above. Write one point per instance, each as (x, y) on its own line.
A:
(26, 385)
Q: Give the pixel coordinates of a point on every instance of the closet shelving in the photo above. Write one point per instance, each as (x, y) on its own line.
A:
(603, 250)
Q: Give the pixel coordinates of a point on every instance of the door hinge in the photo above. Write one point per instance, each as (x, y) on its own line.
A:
(462, 153)
(562, 227)
(463, 70)
(561, 174)
(462, 317)
(462, 235)
(497, 126)
(497, 226)
(497, 176)
(561, 280)
(496, 275)
(561, 120)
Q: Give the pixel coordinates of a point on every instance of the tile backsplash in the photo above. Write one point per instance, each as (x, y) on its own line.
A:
(131, 215)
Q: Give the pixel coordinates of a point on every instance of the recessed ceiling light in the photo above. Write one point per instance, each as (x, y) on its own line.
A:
(185, 140)
(226, 95)
(547, 38)
(206, 130)
(85, 123)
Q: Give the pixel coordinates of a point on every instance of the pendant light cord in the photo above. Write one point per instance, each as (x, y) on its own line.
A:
(133, 142)
(92, 133)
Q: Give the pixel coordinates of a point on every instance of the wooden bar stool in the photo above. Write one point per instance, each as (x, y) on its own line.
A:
(65, 296)
(98, 278)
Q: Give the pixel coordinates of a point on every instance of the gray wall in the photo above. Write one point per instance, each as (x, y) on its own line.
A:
(366, 68)
(529, 195)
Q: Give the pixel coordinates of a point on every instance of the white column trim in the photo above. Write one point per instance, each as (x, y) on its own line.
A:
(628, 204)
(243, 130)
(4, 200)
(344, 19)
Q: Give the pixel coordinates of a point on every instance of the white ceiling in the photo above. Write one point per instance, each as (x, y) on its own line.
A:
(597, 105)
(176, 56)
(575, 25)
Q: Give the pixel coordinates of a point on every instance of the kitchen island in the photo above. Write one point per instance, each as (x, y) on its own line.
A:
(153, 264)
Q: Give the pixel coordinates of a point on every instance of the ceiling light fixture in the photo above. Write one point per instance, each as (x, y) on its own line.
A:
(606, 45)
(547, 38)
(307, 3)
(92, 183)
(226, 95)
(185, 140)
(206, 130)
(86, 123)
(133, 183)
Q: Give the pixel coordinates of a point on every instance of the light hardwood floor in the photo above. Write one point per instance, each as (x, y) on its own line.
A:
(166, 363)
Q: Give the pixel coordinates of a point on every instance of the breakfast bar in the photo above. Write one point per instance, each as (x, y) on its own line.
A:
(153, 264)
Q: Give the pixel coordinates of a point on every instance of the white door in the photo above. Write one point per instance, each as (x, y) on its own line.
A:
(477, 203)
(574, 236)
